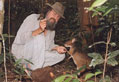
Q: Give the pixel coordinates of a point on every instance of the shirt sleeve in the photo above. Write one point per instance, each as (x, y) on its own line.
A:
(25, 32)
(52, 45)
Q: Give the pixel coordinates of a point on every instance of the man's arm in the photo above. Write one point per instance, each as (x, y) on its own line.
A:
(41, 28)
(53, 46)
(37, 31)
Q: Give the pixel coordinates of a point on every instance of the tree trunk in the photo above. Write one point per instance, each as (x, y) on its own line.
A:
(1, 19)
(86, 20)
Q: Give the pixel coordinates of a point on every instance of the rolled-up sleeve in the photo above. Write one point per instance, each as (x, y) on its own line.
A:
(25, 32)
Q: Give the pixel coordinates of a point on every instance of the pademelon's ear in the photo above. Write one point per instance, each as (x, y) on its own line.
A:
(73, 40)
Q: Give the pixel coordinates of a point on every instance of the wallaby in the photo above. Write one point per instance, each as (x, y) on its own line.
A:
(79, 58)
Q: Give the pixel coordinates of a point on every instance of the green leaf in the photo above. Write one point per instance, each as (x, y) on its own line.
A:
(75, 80)
(112, 62)
(74, 75)
(61, 78)
(98, 72)
(101, 9)
(113, 54)
(108, 11)
(97, 3)
(89, 75)
(17, 72)
(95, 62)
(17, 62)
(22, 70)
(28, 61)
(94, 14)
(90, 81)
(97, 59)
(95, 55)
(68, 79)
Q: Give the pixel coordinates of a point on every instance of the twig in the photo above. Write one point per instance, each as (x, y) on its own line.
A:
(95, 79)
(106, 54)
(3, 42)
(101, 42)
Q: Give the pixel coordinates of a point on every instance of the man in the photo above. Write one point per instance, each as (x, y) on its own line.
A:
(35, 39)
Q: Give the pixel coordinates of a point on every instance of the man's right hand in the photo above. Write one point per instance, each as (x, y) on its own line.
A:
(43, 24)
(41, 28)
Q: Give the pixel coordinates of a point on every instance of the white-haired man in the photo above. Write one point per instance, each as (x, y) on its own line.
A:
(35, 39)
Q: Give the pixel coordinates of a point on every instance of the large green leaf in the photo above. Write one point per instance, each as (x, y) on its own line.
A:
(95, 62)
(89, 75)
(61, 78)
(89, 81)
(97, 59)
(17, 72)
(112, 62)
(97, 3)
(68, 79)
(113, 54)
(17, 62)
(108, 11)
(98, 72)
(95, 55)
(101, 9)
(75, 80)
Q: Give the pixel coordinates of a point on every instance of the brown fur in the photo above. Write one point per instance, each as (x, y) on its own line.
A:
(79, 58)
(42, 75)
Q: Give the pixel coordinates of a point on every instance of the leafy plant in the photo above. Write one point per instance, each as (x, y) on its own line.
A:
(102, 7)
(69, 77)
(98, 59)
(90, 75)
(106, 79)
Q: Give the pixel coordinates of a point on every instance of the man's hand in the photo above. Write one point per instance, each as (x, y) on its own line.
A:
(43, 24)
(41, 28)
(60, 49)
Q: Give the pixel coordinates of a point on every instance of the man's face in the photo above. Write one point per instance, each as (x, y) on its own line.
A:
(53, 14)
(52, 19)
(51, 23)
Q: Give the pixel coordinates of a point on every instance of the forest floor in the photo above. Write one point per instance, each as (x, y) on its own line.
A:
(65, 67)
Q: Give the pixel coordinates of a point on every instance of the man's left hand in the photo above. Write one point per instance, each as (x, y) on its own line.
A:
(60, 49)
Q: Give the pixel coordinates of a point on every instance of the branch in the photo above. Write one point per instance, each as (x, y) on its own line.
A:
(3, 42)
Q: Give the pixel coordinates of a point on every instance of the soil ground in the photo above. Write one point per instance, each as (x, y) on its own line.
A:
(65, 67)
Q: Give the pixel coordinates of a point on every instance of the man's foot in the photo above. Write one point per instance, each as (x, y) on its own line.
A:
(27, 69)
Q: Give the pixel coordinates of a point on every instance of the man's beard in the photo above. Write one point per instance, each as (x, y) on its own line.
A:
(51, 23)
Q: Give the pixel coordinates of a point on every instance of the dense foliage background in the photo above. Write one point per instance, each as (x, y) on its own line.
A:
(108, 21)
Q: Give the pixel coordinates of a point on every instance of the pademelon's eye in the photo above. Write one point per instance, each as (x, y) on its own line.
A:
(68, 48)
